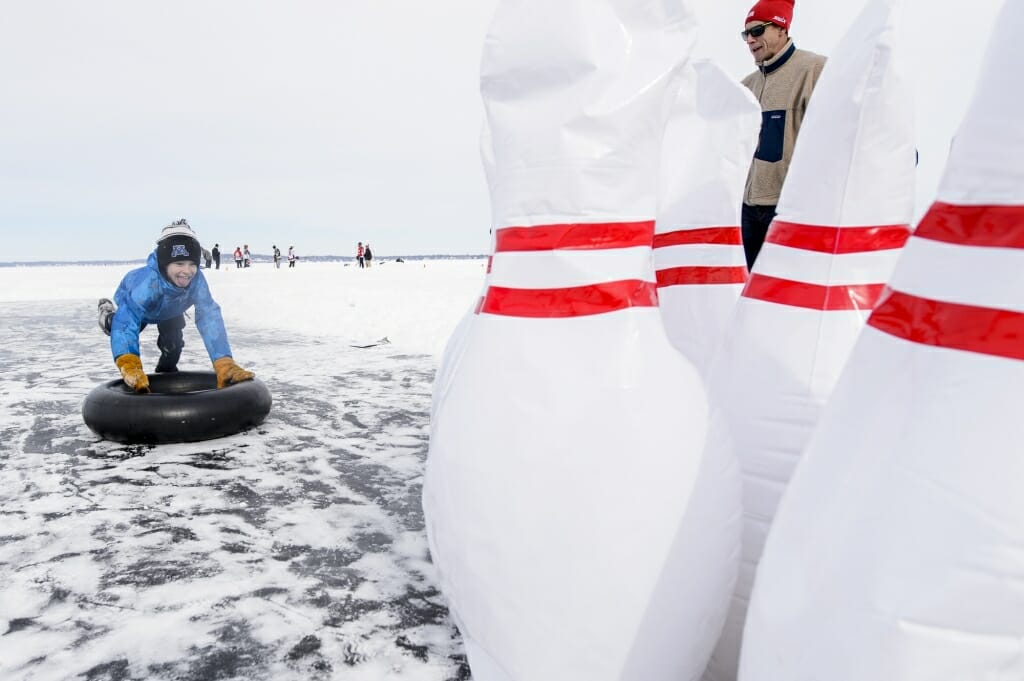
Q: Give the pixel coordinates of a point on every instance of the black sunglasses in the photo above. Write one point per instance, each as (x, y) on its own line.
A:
(755, 31)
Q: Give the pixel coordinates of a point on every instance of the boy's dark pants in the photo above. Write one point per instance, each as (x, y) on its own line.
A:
(171, 341)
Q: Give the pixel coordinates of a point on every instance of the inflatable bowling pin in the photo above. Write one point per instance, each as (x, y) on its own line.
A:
(698, 249)
(577, 528)
(842, 219)
(896, 553)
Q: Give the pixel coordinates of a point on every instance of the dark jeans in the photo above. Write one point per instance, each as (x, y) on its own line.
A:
(755, 222)
(171, 341)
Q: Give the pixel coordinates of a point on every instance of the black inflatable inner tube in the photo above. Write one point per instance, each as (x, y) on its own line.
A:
(184, 406)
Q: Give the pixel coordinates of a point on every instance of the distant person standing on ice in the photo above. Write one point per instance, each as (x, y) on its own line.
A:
(367, 254)
(359, 255)
(207, 258)
(783, 84)
(277, 257)
(238, 258)
(160, 293)
(216, 256)
(292, 257)
(246, 257)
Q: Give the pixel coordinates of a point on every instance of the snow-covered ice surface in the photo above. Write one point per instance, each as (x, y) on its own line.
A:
(291, 551)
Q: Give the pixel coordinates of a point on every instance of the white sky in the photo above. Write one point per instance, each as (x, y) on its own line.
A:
(315, 123)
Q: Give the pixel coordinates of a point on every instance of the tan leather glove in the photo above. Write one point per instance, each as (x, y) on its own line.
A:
(228, 372)
(131, 370)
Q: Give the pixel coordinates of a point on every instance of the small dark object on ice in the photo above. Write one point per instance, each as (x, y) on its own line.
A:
(380, 341)
(308, 644)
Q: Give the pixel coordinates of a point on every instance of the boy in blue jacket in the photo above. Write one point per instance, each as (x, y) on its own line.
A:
(159, 293)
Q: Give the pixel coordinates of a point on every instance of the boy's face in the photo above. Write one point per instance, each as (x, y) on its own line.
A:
(180, 273)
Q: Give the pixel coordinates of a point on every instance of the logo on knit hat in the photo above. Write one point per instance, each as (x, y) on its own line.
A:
(179, 251)
(778, 12)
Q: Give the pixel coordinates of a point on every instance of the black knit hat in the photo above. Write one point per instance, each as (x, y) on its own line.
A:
(177, 243)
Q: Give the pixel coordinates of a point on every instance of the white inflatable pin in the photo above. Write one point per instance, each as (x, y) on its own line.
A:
(898, 551)
(842, 219)
(698, 250)
(578, 530)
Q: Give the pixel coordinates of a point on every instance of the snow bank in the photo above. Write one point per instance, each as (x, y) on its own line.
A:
(416, 304)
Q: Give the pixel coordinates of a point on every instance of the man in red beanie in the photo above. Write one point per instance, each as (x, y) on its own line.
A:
(783, 83)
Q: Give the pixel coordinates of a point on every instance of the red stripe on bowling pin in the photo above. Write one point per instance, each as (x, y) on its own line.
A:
(837, 240)
(812, 296)
(574, 236)
(991, 226)
(575, 301)
(689, 276)
(985, 330)
(833, 241)
(571, 301)
(725, 236)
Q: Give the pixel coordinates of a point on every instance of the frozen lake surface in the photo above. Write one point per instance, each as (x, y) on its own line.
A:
(292, 551)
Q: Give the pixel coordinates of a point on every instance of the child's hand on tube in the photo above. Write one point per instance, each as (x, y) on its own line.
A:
(131, 370)
(228, 372)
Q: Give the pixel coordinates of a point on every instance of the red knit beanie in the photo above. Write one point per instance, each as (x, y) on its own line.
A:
(779, 12)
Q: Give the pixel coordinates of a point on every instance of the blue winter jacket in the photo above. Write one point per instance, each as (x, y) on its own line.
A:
(146, 297)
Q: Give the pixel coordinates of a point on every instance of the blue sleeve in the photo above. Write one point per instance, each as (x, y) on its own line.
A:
(209, 321)
(136, 298)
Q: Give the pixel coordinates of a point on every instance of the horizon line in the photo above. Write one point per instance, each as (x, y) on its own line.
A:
(255, 256)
